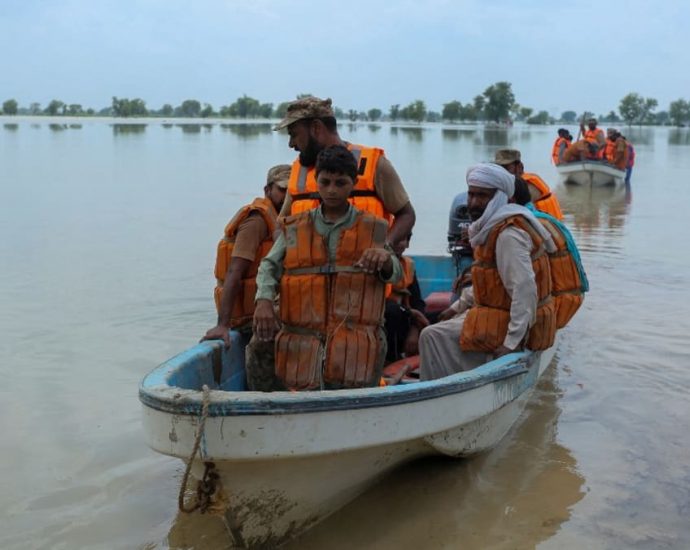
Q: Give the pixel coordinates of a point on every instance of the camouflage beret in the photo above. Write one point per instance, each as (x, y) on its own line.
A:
(306, 107)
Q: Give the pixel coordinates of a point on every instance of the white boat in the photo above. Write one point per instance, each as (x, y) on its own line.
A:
(286, 460)
(591, 172)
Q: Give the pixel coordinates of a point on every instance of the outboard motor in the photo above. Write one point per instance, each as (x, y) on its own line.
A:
(458, 240)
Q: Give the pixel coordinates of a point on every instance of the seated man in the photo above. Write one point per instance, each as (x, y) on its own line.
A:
(595, 139)
(248, 238)
(511, 283)
(332, 267)
(404, 309)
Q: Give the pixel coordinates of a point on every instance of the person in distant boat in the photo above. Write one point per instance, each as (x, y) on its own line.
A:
(562, 142)
(312, 126)
(248, 238)
(578, 151)
(404, 313)
(631, 161)
(616, 151)
(511, 283)
(541, 193)
(331, 264)
(595, 138)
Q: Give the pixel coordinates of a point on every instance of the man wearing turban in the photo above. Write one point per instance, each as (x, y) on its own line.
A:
(516, 250)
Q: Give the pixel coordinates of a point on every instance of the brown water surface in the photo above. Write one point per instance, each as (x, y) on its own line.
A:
(109, 237)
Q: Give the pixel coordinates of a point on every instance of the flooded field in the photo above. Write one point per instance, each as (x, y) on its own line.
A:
(109, 236)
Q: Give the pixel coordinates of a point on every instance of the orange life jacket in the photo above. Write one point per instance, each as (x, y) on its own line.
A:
(592, 136)
(243, 308)
(566, 284)
(547, 201)
(398, 291)
(620, 162)
(609, 151)
(304, 191)
(332, 312)
(486, 324)
(557, 148)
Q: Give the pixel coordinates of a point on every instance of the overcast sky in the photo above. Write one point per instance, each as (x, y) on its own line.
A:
(558, 55)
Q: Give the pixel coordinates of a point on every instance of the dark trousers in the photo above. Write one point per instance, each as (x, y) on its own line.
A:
(397, 324)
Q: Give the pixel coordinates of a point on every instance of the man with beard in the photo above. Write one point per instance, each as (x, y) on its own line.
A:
(312, 126)
(511, 283)
(595, 138)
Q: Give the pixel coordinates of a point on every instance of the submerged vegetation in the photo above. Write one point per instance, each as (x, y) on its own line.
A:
(497, 104)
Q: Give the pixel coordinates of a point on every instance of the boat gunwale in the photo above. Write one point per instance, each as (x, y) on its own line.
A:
(589, 166)
(155, 393)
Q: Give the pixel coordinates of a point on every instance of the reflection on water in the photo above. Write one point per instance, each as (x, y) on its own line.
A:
(494, 137)
(75, 126)
(10, 126)
(457, 134)
(638, 135)
(373, 128)
(121, 129)
(57, 127)
(167, 125)
(515, 496)
(679, 136)
(248, 130)
(190, 128)
(413, 133)
(595, 210)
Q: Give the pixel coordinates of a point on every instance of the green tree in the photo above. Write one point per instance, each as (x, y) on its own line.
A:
(568, 116)
(542, 117)
(53, 107)
(281, 109)
(75, 109)
(265, 110)
(611, 117)
(526, 112)
(468, 112)
(452, 111)
(207, 111)
(374, 114)
(648, 107)
(416, 111)
(479, 103)
(499, 100)
(631, 107)
(394, 112)
(35, 108)
(679, 112)
(123, 107)
(352, 115)
(245, 107)
(190, 108)
(661, 118)
(10, 107)
(433, 116)
(167, 110)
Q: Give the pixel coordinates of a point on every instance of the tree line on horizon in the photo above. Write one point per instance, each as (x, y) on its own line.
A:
(496, 104)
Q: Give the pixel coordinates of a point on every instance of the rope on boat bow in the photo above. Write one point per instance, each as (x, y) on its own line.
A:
(203, 490)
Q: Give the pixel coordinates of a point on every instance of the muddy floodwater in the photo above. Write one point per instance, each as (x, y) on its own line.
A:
(106, 269)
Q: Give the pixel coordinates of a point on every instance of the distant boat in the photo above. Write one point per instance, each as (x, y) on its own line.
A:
(286, 460)
(591, 172)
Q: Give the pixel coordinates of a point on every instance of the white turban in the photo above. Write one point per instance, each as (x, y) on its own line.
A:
(494, 176)
(491, 176)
